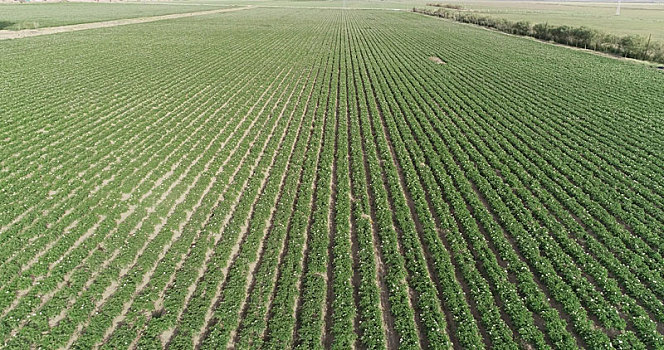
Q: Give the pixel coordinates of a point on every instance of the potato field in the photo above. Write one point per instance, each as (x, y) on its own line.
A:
(327, 178)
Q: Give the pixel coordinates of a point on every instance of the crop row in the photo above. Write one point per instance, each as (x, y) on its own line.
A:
(317, 181)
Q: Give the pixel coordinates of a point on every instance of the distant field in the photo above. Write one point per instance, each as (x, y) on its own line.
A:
(30, 16)
(635, 18)
(355, 4)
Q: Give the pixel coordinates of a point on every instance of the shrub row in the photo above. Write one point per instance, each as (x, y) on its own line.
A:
(632, 46)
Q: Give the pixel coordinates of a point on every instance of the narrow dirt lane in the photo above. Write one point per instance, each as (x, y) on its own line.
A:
(17, 34)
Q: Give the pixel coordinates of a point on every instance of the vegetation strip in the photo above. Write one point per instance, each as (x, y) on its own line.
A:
(631, 46)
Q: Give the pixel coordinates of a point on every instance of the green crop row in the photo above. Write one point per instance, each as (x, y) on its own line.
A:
(327, 178)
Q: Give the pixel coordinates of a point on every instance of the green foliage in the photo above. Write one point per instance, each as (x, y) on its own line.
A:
(447, 6)
(38, 15)
(301, 178)
(632, 46)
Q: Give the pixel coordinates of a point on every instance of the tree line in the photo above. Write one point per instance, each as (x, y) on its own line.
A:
(633, 46)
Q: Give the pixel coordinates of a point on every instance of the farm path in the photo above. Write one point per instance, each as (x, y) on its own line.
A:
(17, 34)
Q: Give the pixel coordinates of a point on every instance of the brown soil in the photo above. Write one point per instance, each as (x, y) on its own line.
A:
(436, 60)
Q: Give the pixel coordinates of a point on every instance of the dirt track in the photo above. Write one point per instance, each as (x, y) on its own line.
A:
(11, 34)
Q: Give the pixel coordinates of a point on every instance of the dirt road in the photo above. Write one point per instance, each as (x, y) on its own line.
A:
(17, 34)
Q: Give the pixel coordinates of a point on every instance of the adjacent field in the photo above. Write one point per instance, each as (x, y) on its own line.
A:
(642, 19)
(275, 178)
(31, 16)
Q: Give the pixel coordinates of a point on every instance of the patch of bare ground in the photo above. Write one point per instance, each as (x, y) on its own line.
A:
(126, 214)
(436, 60)
(53, 322)
(10, 34)
(245, 226)
(103, 184)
